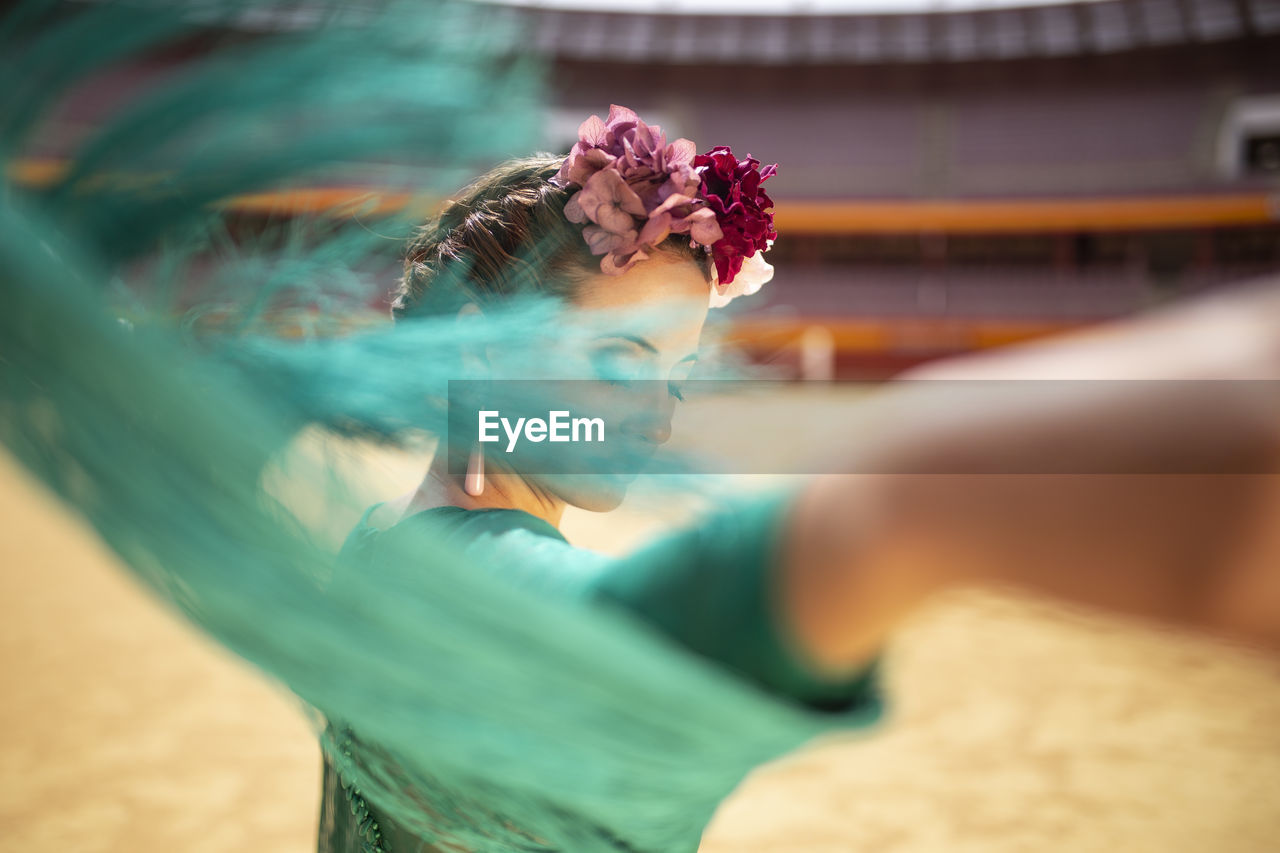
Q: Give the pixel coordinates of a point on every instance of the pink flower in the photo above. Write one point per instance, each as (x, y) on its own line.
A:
(607, 201)
(637, 189)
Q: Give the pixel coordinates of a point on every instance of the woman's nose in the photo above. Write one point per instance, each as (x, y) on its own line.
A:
(657, 430)
(653, 425)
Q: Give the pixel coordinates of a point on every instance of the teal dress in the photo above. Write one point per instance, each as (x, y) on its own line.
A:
(707, 587)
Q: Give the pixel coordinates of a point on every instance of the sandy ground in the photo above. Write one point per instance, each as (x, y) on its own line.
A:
(1016, 726)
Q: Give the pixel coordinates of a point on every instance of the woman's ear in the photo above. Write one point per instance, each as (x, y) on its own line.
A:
(472, 350)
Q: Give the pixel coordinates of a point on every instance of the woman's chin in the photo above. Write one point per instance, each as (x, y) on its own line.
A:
(601, 502)
(593, 492)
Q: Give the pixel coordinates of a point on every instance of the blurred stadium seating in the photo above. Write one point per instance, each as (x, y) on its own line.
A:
(949, 179)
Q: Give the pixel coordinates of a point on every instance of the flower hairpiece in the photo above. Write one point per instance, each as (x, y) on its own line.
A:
(635, 190)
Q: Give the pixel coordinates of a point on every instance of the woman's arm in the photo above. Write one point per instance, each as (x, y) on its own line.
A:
(1194, 549)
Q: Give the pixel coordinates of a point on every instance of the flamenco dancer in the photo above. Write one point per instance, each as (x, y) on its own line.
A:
(797, 593)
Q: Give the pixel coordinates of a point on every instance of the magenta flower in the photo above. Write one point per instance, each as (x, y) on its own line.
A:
(744, 211)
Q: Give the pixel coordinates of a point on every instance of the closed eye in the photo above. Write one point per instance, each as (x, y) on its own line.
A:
(615, 368)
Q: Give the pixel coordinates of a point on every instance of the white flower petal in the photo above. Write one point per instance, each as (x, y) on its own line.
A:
(755, 273)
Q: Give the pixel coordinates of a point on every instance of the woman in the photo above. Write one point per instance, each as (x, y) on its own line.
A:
(518, 230)
(795, 592)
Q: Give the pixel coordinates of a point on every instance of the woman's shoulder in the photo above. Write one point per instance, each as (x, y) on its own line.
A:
(400, 512)
(516, 545)
(479, 521)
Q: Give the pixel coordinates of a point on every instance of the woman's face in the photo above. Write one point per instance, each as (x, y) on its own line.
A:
(650, 321)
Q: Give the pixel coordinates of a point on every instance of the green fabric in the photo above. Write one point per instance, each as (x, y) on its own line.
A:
(711, 588)
(708, 588)
(147, 381)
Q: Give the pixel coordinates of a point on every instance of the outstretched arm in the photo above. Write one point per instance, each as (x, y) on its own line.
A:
(1199, 550)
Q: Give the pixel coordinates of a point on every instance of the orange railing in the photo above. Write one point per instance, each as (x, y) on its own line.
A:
(1207, 210)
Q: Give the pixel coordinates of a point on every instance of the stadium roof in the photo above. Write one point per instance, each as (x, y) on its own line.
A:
(773, 7)
(814, 33)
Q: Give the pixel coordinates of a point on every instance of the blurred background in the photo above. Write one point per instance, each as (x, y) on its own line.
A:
(954, 177)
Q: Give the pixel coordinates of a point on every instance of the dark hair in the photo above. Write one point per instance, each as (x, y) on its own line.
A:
(505, 234)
